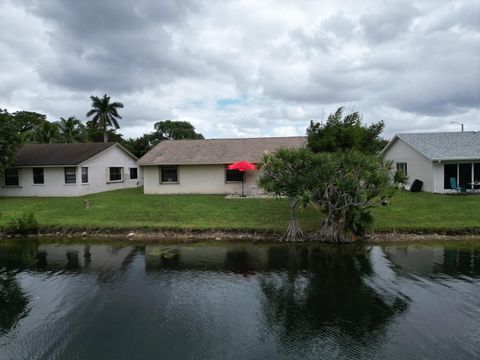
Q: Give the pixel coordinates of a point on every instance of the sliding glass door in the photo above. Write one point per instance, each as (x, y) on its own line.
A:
(462, 175)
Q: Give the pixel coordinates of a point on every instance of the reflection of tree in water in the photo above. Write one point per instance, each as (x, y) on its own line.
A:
(13, 302)
(323, 289)
(14, 255)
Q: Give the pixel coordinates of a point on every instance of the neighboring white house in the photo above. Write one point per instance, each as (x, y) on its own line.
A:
(437, 158)
(200, 166)
(70, 170)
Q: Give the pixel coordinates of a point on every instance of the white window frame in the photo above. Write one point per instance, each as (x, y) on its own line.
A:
(109, 174)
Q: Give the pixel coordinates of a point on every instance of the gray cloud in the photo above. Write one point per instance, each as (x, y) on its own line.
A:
(414, 64)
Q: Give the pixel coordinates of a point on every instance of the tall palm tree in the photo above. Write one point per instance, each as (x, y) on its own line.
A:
(71, 130)
(104, 113)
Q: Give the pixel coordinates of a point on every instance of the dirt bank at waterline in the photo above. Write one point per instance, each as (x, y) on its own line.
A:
(189, 235)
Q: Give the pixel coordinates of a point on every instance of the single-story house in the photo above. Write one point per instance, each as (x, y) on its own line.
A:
(440, 159)
(69, 170)
(200, 166)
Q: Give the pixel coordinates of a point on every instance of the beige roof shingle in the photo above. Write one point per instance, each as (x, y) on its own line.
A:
(216, 151)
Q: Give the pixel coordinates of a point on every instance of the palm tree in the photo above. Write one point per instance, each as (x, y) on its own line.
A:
(44, 133)
(104, 113)
(71, 130)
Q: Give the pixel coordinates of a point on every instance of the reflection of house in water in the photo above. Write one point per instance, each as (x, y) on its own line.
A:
(83, 257)
(414, 259)
(236, 257)
(430, 260)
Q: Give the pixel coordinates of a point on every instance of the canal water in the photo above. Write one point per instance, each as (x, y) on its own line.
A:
(217, 300)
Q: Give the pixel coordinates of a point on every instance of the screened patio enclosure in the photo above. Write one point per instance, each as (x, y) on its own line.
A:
(467, 175)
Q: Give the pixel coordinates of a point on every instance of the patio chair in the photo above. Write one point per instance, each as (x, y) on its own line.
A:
(454, 186)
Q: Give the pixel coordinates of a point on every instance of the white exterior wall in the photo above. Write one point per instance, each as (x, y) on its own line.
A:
(197, 179)
(54, 177)
(418, 166)
(98, 165)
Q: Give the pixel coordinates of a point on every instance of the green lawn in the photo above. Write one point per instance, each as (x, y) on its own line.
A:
(132, 209)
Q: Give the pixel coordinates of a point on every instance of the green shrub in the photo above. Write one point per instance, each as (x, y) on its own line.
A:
(26, 224)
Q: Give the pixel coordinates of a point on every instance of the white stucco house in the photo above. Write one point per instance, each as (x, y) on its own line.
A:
(440, 159)
(70, 170)
(200, 166)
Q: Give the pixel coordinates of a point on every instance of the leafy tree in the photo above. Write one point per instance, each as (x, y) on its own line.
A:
(347, 186)
(287, 173)
(167, 130)
(104, 114)
(71, 130)
(96, 134)
(28, 120)
(345, 133)
(141, 145)
(44, 133)
(10, 139)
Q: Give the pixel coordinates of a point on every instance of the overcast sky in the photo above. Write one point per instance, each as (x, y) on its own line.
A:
(245, 68)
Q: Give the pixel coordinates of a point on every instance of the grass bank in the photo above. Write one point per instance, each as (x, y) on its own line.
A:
(131, 209)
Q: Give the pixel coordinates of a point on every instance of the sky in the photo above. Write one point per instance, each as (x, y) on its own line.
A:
(245, 68)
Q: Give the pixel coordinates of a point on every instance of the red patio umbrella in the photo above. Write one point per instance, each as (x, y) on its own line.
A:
(241, 166)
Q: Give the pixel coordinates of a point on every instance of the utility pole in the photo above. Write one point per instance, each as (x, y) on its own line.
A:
(456, 122)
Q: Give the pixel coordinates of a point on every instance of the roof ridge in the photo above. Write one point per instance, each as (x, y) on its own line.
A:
(243, 138)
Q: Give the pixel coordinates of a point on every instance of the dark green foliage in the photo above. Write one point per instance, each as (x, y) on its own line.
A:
(10, 139)
(141, 145)
(342, 133)
(104, 114)
(164, 130)
(44, 133)
(167, 130)
(26, 224)
(287, 173)
(350, 184)
(399, 177)
(96, 134)
(343, 185)
(28, 120)
(71, 130)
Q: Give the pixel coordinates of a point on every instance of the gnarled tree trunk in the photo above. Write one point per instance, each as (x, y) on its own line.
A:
(335, 228)
(294, 233)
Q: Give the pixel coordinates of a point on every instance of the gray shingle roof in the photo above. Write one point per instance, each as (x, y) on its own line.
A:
(58, 154)
(445, 145)
(216, 151)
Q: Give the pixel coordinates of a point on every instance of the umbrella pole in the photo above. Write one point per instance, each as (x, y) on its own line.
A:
(242, 185)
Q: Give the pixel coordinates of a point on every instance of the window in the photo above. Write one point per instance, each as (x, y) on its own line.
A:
(168, 174)
(402, 166)
(11, 177)
(116, 174)
(38, 176)
(233, 175)
(84, 175)
(449, 172)
(133, 173)
(70, 175)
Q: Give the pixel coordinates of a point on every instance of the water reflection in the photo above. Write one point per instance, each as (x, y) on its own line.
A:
(238, 300)
(332, 296)
(13, 302)
(461, 259)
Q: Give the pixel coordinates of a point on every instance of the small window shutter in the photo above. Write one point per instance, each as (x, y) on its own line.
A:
(107, 173)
